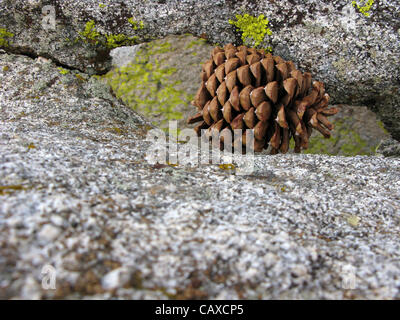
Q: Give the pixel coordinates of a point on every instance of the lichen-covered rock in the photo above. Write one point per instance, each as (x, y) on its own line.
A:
(354, 55)
(76, 194)
(159, 78)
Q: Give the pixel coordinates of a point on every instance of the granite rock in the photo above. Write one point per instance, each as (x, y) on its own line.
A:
(72, 160)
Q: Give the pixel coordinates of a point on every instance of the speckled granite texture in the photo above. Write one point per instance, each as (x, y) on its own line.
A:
(356, 56)
(77, 194)
(357, 129)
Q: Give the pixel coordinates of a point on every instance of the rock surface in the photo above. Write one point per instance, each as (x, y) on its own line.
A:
(159, 79)
(356, 56)
(357, 132)
(77, 194)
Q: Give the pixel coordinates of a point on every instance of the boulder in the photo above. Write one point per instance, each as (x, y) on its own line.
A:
(79, 201)
(355, 55)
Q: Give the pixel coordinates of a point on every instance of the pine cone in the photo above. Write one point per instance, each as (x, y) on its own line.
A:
(246, 88)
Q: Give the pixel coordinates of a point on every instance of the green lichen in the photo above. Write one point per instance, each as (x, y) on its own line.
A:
(364, 6)
(253, 29)
(102, 5)
(345, 142)
(90, 33)
(195, 42)
(118, 40)
(4, 35)
(63, 71)
(111, 41)
(136, 24)
(146, 86)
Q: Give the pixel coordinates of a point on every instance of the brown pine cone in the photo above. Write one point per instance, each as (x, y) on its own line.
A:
(246, 88)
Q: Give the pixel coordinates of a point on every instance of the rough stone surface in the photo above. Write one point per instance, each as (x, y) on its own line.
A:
(356, 56)
(73, 158)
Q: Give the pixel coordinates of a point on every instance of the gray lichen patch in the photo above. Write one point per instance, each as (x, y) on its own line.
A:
(160, 78)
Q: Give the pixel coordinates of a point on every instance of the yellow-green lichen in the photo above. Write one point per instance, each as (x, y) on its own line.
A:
(63, 71)
(4, 37)
(352, 219)
(345, 142)
(146, 86)
(364, 6)
(102, 5)
(227, 166)
(116, 130)
(195, 42)
(136, 24)
(118, 40)
(253, 29)
(91, 35)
